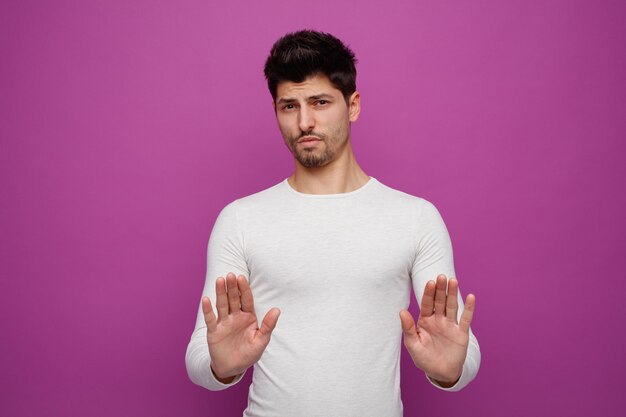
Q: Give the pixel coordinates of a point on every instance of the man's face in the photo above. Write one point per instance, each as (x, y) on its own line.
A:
(314, 119)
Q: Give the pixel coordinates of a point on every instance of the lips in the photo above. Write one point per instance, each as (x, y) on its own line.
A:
(309, 139)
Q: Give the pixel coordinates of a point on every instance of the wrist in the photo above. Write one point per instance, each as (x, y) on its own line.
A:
(445, 382)
(223, 379)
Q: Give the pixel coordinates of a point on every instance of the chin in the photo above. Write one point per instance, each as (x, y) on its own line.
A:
(315, 163)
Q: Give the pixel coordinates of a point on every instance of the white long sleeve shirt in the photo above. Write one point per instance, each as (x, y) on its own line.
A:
(340, 267)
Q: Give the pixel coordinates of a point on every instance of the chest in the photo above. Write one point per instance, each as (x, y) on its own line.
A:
(344, 252)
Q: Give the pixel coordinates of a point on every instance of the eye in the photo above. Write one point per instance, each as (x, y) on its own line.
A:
(289, 107)
(322, 102)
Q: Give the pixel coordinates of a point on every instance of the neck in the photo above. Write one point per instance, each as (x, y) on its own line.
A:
(342, 175)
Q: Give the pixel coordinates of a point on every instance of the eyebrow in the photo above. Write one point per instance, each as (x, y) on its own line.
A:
(287, 100)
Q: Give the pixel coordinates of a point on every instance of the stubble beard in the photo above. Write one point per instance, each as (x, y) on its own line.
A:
(311, 157)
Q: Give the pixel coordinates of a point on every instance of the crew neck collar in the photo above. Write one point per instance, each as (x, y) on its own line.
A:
(368, 184)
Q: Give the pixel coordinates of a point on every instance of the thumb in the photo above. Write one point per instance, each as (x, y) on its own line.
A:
(408, 324)
(269, 322)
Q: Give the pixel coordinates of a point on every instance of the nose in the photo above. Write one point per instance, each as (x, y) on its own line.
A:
(306, 120)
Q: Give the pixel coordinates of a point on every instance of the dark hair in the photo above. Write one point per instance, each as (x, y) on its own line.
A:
(299, 55)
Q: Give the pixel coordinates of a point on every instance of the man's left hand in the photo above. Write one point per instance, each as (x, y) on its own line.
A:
(438, 344)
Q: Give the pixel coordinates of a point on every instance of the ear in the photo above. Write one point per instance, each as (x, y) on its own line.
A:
(354, 106)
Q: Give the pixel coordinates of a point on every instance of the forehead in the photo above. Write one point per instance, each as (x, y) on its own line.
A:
(313, 85)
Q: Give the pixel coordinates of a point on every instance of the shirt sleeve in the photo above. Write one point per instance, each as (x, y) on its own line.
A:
(225, 253)
(434, 257)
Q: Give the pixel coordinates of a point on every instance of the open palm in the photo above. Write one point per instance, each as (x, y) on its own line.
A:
(438, 344)
(235, 340)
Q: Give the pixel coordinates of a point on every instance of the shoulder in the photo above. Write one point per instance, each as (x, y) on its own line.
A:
(405, 201)
(262, 200)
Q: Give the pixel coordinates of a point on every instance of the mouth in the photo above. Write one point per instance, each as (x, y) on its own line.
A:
(309, 139)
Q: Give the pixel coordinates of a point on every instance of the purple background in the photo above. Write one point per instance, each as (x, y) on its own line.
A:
(126, 126)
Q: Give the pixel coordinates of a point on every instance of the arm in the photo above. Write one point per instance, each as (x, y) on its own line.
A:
(224, 253)
(225, 344)
(438, 312)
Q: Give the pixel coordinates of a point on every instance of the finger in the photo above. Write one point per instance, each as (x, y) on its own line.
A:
(428, 299)
(408, 324)
(209, 315)
(440, 296)
(247, 302)
(234, 299)
(452, 303)
(222, 298)
(468, 313)
(269, 322)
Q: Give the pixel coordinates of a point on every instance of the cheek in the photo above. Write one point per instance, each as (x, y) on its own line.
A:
(338, 125)
(286, 131)
(284, 124)
(338, 119)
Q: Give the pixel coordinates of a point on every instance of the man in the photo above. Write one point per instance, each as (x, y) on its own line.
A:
(334, 253)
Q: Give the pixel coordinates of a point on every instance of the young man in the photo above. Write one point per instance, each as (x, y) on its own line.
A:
(334, 253)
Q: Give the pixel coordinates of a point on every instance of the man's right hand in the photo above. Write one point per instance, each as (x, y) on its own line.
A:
(235, 340)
